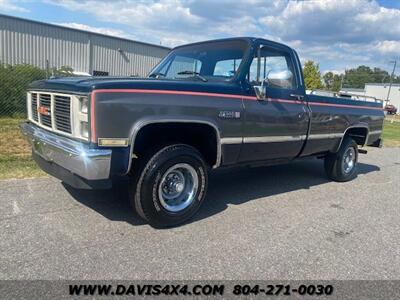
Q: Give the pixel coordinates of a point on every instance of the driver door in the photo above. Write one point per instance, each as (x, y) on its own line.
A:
(274, 128)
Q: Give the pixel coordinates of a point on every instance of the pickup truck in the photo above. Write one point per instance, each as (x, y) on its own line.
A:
(221, 103)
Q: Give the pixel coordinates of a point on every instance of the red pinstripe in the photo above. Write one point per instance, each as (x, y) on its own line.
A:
(344, 105)
(189, 93)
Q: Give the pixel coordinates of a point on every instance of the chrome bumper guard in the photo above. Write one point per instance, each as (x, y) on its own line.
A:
(75, 156)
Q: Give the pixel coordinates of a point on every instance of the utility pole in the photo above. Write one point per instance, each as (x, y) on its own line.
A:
(341, 81)
(391, 80)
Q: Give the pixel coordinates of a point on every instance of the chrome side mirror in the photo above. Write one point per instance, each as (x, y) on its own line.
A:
(281, 79)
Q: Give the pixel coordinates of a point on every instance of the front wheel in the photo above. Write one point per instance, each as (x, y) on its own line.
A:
(342, 166)
(171, 186)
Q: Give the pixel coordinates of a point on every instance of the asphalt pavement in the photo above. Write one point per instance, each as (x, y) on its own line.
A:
(280, 222)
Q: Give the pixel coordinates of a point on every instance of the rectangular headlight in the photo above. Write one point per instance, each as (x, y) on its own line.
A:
(84, 129)
(83, 105)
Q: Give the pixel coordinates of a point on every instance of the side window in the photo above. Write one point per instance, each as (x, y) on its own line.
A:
(181, 64)
(271, 60)
(226, 68)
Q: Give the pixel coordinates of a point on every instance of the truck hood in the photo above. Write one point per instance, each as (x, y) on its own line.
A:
(88, 84)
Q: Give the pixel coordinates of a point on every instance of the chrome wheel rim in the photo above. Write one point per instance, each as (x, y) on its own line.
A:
(178, 187)
(349, 160)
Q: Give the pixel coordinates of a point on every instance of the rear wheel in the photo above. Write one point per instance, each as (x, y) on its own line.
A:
(171, 185)
(342, 166)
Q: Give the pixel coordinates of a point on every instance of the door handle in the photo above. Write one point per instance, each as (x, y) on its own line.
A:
(297, 96)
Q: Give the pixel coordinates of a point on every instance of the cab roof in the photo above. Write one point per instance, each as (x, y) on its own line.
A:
(250, 40)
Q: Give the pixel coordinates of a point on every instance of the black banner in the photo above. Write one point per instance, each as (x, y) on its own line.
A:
(275, 289)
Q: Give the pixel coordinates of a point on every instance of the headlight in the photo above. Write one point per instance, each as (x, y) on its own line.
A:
(81, 117)
(83, 105)
(84, 129)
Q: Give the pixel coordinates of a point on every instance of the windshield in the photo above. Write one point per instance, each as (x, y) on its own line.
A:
(208, 61)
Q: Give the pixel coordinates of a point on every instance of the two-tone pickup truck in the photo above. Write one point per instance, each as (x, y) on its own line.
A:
(205, 105)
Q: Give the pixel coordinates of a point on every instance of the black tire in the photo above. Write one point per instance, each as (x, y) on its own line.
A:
(145, 195)
(334, 162)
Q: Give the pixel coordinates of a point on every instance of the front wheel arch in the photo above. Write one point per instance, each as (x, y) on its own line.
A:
(147, 134)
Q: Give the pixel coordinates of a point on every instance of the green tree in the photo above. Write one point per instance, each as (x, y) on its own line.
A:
(358, 77)
(332, 81)
(312, 75)
(337, 82)
(328, 80)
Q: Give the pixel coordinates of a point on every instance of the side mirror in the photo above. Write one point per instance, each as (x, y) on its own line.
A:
(280, 79)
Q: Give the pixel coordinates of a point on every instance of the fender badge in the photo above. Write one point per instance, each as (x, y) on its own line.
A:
(227, 114)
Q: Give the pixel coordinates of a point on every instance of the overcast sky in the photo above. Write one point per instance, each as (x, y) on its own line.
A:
(338, 34)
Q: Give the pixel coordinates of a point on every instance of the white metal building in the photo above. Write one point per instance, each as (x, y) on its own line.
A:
(380, 91)
(47, 45)
(353, 91)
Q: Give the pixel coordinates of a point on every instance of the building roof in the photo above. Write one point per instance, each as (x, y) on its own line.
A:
(352, 89)
(383, 84)
(83, 31)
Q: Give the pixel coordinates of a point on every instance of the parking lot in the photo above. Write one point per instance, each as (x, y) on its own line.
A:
(286, 222)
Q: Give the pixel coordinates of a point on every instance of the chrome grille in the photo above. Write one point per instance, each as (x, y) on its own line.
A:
(59, 112)
(45, 101)
(62, 113)
(52, 110)
(34, 107)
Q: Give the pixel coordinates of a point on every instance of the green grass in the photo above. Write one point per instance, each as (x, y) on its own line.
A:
(393, 117)
(391, 134)
(13, 167)
(16, 160)
(15, 152)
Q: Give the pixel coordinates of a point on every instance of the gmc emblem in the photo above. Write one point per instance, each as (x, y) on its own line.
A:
(43, 110)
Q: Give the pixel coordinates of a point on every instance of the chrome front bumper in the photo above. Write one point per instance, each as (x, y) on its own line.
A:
(74, 156)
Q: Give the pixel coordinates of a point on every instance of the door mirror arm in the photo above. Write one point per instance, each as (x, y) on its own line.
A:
(261, 90)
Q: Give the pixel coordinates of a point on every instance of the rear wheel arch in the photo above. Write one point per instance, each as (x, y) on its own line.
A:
(359, 133)
(144, 128)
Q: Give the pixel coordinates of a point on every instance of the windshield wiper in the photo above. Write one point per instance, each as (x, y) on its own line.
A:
(157, 75)
(195, 74)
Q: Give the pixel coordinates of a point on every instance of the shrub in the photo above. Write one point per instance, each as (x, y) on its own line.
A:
(14, 81)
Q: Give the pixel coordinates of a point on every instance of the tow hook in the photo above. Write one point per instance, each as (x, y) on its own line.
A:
(362, 151)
